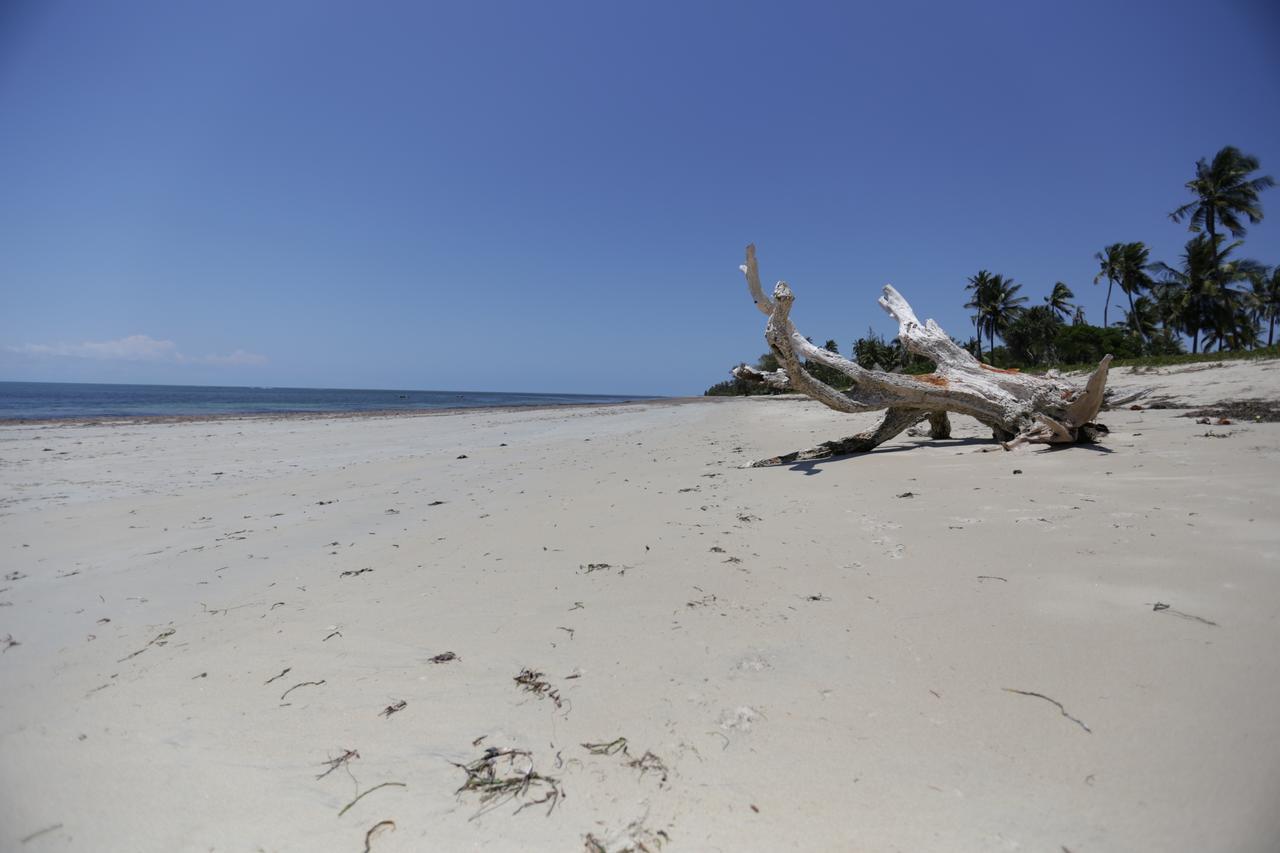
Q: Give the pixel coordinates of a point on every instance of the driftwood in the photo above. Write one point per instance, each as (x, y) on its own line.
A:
(1019, 408)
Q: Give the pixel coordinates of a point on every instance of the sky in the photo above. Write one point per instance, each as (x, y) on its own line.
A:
(556, 196)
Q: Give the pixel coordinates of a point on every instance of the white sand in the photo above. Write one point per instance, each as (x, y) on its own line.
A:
(816, 661)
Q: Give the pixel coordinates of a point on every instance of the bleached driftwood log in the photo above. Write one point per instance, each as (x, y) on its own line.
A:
(1019, 408)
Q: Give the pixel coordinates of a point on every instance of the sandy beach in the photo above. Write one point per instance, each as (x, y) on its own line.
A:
(217, 635)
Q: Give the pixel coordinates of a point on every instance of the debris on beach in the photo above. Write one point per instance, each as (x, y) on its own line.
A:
(364, 794)
(602, 567)
(393, 708)
(160, 639)
(533, 682)
(504, 775)
(1257, 411)
(9, 642)
(618, 744)
(1161, 607)
(347, 756)
(649, 763)
(40, 832)
(301, 684)
(1063, 710)
(374, 830)
(635, 838)
(351, 573)
(443, 657)
(283, 673)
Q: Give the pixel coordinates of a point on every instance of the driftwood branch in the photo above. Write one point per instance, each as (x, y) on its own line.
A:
(1019, 408)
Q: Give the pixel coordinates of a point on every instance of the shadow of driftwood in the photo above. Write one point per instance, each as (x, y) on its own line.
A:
(809, 467)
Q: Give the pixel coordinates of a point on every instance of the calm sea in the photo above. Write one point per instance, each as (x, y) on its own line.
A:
(42, 400)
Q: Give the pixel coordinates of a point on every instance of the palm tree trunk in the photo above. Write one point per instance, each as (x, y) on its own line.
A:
(1136, 325)
(1271, 331)
(1107, 304)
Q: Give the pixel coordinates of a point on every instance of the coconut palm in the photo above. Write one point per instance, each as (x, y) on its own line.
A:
(1224, 193)
(979, 287)
(1030, 337)
(1111, 267)
(1200, 296)
(1058, 300)
(1266, 299)
(1143, 319)
(1231, 324)
(1133, 280)
(1003, 305)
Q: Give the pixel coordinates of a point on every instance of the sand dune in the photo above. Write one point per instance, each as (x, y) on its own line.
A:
(928, 647)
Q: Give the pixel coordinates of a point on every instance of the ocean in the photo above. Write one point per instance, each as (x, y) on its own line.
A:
(64, 400)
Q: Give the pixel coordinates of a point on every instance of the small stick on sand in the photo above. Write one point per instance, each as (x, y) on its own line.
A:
(368, 836)
(301, 684)
(40, 832)
(370, 791)
(159, 639)
(615, 745)
(1160, 606)
(1054, 701)
(341, 760)
(283, 673)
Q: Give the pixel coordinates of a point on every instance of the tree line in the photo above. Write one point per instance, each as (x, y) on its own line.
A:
(1211, 296)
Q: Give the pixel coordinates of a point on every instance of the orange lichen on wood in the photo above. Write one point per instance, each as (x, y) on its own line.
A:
(999, 369)
(933, 379)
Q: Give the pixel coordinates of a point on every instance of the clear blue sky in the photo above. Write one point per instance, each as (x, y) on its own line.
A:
(555, 196)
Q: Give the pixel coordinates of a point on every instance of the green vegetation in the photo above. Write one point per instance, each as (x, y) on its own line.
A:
(1212, 298)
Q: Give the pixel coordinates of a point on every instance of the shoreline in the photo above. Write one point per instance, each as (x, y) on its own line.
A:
(128, 420)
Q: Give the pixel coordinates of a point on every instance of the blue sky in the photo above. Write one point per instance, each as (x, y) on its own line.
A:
(555, 196)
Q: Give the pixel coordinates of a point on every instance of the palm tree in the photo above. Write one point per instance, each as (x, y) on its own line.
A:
(1111, 267)
(1004, 307)
(1231, 322)
(1199, 295)
(1057, 300)
(1030, 337)
(1134, 260)
(980, 287)
(1266, 298)
(1143, 318)
(1224, 192)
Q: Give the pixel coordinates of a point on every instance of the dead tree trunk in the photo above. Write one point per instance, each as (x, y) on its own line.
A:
(1019, 408)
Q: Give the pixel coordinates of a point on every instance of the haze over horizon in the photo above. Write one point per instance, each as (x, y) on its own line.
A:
(556, 198)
